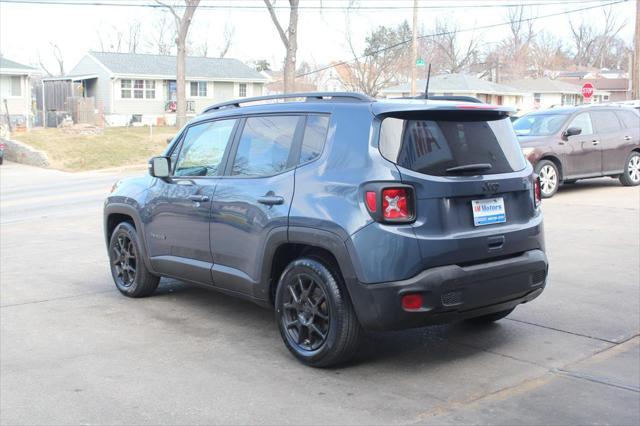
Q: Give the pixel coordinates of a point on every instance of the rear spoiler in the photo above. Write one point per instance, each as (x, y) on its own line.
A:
(389, 107)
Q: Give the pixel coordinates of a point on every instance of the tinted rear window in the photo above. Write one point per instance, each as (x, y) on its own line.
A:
(433, 146)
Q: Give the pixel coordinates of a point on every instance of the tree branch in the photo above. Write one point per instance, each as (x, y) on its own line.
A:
(274, 18)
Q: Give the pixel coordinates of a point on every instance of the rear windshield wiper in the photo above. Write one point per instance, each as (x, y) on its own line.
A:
(478, 167)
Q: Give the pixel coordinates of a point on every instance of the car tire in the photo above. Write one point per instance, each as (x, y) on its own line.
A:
(129, 272)
(496, 316)
(549, 178)
(314, 314)
(631, 175)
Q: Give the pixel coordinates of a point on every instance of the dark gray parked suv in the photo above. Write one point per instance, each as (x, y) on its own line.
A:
(342, 212)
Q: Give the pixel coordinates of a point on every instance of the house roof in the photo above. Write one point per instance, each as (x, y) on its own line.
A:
(15, 67)
(455, 84)
(544, 85)
(573, 74)
(165, 65)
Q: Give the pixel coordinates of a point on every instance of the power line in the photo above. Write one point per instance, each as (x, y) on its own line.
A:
(404, 42)
(117, 3)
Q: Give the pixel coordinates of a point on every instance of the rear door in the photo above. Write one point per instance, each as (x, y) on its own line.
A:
(583, 153)
(628, 139)
(460, 162)
(253, 198)
(610, 138)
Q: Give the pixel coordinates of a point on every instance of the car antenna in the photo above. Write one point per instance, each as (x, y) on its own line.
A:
(426, 90)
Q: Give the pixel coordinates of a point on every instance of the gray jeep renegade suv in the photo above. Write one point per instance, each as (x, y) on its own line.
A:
(342, 212)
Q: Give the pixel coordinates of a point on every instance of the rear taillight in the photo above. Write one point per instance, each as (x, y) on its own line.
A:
(412, 301)
(390, 204)
(395, 204)
(1, 146)
(537, 192)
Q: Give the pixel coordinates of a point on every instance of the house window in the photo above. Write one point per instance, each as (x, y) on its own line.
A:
(536, 98)
(242, 90)
(606, 97)
(199, 89)
(16, 85)
(150, 89)
(138, 89)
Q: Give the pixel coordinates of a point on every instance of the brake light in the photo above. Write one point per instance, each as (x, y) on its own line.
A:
(395, 204)
(537, 192)
(412, 301)
(1, 145)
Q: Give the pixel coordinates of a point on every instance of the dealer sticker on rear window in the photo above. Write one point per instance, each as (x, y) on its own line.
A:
(487, 212)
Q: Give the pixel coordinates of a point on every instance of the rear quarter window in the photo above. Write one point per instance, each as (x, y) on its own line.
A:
(433, 146)
(629, 119)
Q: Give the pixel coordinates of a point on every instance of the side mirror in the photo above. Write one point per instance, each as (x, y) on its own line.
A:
(571, 131)
(159, 167)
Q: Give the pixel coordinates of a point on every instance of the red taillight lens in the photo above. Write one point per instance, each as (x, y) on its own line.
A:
(371, 200)
(412, 302)
(1, 146)
(537, 192)
(395, 204)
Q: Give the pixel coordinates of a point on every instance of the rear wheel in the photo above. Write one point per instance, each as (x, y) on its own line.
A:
(314, 314)
(128, 270)
(631, 175)
(549, 178)
(496, 316)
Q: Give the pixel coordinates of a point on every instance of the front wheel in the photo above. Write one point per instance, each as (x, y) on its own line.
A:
(128, 270)
(549, 178)
(631, 175)
(314, 314)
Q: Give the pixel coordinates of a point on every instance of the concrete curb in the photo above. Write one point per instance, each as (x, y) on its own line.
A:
(21, 153)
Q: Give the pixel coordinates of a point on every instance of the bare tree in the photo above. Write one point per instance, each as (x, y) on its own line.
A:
(182, 24)
(289, 40)
(547, 52)
(517, 46)
(591, 45)
(384, 58)
(133, 40)
(448, 53)
(229, 32)
(162, 36)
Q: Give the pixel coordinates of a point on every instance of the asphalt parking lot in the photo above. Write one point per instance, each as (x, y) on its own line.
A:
(73, 350)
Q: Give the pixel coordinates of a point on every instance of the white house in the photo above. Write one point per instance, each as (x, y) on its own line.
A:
(541, 93)
(139, 87)
(15, 91)
(462, 85)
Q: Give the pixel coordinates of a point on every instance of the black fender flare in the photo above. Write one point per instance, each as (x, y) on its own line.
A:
(128, 210)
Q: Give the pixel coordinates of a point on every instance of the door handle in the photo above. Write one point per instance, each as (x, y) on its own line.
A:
(271, 200)
(199, 198)
(595, 142)
(627, 138)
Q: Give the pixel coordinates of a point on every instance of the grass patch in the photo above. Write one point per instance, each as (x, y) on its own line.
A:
(114, 147)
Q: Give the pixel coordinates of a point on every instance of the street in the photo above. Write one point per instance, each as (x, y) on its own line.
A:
(74, 351)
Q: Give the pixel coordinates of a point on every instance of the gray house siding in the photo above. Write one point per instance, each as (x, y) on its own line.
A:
(103, 86)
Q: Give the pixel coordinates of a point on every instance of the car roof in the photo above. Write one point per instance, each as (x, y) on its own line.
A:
(326, 102)
(572, 109)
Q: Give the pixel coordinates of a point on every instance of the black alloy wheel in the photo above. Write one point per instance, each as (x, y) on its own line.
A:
(306, 312)
(128, 268)
(314, 313)
(124, 261)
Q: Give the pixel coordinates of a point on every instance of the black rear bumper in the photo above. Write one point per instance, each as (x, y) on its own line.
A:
(452, 293)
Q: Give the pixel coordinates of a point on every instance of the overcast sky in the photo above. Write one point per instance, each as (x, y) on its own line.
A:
(28, 29)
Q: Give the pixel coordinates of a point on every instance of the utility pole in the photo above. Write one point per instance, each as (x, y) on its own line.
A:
(635, 77)
(414, 48)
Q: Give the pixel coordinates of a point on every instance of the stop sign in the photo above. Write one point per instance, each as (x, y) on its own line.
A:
(587, 90)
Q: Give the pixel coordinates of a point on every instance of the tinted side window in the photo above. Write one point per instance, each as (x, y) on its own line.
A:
(606, 121)
(265, 145)
(629, 118)
(315, 133)
(203, 147)
(582, 121)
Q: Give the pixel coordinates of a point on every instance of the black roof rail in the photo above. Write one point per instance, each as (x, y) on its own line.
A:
(308, 96)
